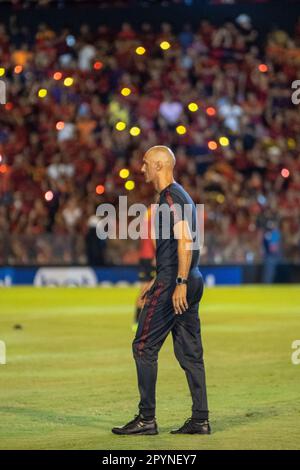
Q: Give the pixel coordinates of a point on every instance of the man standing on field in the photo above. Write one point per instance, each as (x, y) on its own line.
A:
(171, 301)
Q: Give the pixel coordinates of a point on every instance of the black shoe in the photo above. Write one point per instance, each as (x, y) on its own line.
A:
(192, 426)
(139, 425)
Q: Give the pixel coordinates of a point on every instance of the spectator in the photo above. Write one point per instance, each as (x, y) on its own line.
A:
(240, 155)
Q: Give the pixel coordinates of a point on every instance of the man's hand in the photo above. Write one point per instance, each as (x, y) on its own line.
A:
(179, 299)
(145, 290)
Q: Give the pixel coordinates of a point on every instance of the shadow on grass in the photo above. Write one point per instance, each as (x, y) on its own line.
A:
(105, 423)
(53, 417)
(229, 421)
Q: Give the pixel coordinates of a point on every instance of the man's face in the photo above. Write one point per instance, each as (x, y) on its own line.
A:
(148, 169)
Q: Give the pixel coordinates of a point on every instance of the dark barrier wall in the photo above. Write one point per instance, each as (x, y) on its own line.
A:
(90, 276)
(282, 14)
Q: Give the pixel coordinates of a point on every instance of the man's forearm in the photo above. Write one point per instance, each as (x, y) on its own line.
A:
(184, 257)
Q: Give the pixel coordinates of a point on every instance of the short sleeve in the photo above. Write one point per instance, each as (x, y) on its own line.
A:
(176, 204)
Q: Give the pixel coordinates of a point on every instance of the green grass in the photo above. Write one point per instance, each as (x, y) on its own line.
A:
(70, 375)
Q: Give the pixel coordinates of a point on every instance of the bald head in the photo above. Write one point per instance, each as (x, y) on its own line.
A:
(158, 165)
(163, 154)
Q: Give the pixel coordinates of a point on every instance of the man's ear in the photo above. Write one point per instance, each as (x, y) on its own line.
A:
(158, 166)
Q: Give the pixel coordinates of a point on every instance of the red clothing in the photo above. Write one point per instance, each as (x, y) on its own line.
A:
(147, 249)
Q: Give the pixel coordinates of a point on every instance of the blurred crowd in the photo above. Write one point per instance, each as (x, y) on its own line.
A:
(27, 4)
(83, 106)
(40, 4)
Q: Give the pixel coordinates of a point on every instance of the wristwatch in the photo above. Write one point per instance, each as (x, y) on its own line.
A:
(181, 280)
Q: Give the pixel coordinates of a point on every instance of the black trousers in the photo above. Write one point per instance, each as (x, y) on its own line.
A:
(157, 320)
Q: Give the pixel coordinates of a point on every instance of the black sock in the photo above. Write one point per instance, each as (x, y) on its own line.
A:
(200, 420)
(147, 418)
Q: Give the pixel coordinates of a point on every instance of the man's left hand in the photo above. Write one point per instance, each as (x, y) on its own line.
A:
(179, 299)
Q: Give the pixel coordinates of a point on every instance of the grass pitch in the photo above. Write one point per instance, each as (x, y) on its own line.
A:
(70, 375)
